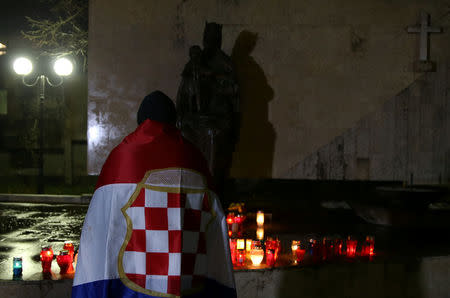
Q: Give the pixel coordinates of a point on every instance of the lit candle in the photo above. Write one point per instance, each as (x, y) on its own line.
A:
(338, 247)
(257, 253)
(270, 257)
(240, 258)
(248, 245)
(240, 244)
(64, 260)
(230, 222)
(351, 247)
(239, 219)
(46, 258)
(327, 249)
(17, 266)
(260, 233)
(368, 247)
(260, 218)
(233, 250)
(295, 244)
(68, 245)
(230, 218)
(273, 245)
(300, 254)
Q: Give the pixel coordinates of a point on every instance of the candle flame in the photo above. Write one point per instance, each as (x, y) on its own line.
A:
(260, 218)
(260, 233)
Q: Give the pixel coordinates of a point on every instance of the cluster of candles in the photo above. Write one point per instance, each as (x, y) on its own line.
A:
(255, 250)
(328, 249)
(64, 260)
(235, 224)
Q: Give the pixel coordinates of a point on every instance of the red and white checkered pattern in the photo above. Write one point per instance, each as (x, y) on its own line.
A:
(167, 249)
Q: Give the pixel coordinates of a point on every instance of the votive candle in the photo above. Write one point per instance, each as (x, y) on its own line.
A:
(260, 218)
(260, 233)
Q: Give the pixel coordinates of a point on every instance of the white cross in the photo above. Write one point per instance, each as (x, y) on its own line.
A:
(424, 29)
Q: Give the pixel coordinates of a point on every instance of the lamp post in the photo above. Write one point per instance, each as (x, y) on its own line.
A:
(23, 67)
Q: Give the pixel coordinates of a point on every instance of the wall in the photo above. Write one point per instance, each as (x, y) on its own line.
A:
(308, 70)
(407, 139)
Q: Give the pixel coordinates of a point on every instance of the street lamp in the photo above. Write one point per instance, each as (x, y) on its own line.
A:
(62, 67)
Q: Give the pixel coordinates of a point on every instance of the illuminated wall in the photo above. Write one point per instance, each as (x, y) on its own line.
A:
(309, 70)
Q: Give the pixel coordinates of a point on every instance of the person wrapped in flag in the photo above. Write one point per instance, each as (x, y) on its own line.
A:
(154, 227)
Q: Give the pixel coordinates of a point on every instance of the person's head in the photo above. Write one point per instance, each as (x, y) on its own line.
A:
(158, 107)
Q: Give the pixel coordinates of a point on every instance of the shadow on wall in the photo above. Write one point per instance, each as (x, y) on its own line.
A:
(253, 155)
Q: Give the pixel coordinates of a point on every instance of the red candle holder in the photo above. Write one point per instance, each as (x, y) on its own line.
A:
(230, 219)
(233, 250)
(317, 249)
(327, 249)
(64, 260)
(338, 247)
(351, 247)
(368, 247)
(300, 254)
(270, 257)
(46, 258)
(68, 245)
(274, 245)
(240, 257)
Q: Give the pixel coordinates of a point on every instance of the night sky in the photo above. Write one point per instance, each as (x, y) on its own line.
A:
(12, 22)
(12, 18)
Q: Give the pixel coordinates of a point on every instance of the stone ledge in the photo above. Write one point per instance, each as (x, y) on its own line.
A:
(416, 278)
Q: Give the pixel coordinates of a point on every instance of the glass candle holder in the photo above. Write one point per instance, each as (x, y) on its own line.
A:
(351, 247)
(64, 260)
(240, 244)
(240, 257)
(327, 249)
(256, 253)
(260, 218)
(46, 258)
(300, 255)
(230, 218)
(239, 221)
(368, 247)
(270, 257)
(233, 250)
(294, 246)
(17, 266)
(68, 245)
(260, 233)
(338, 247)
(316, 251)
(248, 245)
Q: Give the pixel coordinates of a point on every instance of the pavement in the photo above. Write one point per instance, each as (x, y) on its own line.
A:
(25, 227)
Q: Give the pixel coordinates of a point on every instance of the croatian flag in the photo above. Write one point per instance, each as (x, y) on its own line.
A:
(163, 235)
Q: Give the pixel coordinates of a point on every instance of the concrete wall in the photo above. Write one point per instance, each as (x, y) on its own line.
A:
(308, 70)
(407, 139)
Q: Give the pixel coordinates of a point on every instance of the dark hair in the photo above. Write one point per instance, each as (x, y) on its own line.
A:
(158, 107)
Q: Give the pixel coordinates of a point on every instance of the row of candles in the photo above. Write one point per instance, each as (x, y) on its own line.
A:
(255, 250)
(326, 250)
(64, 260)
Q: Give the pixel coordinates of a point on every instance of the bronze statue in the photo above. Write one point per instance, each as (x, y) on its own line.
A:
(207, 102)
